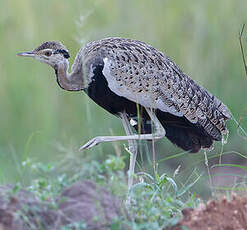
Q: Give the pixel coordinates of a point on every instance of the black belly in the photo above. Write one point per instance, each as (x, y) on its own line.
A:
(101, 94)
(179, 130)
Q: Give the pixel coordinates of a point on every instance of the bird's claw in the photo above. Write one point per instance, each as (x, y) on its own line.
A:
(90, 144)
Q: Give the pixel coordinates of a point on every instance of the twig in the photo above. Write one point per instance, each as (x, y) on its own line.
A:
(242, 48)
(245, 68)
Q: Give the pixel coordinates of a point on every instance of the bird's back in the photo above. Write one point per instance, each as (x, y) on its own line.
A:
(142, 74)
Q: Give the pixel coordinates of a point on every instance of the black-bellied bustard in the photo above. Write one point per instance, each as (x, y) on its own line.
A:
(122, 75)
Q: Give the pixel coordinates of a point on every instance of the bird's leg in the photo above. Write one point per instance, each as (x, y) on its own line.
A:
(159, 133)
(132, 149)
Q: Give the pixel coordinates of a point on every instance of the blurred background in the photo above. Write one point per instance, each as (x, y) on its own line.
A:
(40, 121)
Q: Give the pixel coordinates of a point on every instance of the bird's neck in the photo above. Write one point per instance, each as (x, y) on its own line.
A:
(69, 81)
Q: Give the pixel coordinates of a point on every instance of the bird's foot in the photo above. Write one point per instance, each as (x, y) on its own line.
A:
(90, 143)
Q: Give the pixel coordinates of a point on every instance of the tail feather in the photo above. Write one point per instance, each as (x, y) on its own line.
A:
(187, 138)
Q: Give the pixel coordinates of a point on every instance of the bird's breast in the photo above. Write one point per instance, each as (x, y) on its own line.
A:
(100, 92)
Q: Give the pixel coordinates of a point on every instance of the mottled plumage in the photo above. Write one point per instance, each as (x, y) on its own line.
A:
(144, 75)
(133, 80)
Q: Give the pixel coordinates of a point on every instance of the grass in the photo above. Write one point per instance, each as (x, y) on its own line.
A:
(155, 202)
(42, 126)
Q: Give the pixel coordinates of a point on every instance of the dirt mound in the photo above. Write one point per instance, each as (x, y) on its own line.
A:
(82, 202)
(91, 203)
(216, 215)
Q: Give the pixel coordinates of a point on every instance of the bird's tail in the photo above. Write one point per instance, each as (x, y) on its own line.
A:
(188, 138)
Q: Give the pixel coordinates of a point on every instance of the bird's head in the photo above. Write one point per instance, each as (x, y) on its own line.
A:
(51, 53)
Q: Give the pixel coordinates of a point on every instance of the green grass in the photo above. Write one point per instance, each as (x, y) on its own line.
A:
(154, 202)
(41, 123)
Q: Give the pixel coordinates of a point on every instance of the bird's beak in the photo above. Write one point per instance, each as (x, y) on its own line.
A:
(26, 54)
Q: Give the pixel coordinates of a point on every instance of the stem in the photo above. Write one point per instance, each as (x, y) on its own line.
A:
(242, 48)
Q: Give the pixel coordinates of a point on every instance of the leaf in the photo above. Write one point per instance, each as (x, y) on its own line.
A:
(185, 189)
(173, 184)
(142, 184)
(230, 165)
(145, 174)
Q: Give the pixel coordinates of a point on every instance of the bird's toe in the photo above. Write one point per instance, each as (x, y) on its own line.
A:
(89, 144)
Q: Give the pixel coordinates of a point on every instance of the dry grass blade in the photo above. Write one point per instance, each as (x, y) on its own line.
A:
(245, 68)
(242, 48)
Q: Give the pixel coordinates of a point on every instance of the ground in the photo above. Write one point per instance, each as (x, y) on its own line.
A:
(86, 205)
(216, 215)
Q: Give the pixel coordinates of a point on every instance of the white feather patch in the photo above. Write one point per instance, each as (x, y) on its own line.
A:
(143, 98)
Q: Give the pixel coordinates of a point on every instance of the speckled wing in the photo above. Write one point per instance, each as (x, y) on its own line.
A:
(145, 75)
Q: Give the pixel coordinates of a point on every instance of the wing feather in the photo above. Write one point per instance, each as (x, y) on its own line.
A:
(145, 75)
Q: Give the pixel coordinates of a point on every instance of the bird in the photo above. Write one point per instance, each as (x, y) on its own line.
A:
(142, 86)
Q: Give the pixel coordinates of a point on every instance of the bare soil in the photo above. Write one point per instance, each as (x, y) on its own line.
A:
(216, 215)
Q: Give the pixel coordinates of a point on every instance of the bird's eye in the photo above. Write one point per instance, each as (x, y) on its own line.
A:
(48, 53)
